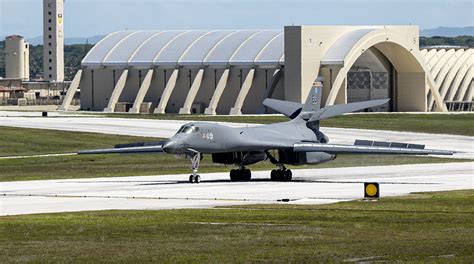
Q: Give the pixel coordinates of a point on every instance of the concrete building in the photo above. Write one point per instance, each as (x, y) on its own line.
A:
(53, 40)
(17, 58)
(233, 71)
(32, 92)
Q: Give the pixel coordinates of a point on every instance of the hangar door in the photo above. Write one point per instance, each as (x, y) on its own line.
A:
(371, 78)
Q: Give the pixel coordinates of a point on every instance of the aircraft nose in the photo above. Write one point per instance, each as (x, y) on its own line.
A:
(171, 146)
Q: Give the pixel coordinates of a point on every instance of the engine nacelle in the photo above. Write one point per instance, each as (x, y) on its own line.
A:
(318, 157)
(301, 158)
(244, 158)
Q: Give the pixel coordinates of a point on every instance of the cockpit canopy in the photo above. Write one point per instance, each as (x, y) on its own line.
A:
(188, 129)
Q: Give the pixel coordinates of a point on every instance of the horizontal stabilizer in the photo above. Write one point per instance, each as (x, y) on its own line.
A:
(335, 110)
(289, 109)
(371, 143)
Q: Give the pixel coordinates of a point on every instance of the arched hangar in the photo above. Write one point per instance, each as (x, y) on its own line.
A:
(233, 71)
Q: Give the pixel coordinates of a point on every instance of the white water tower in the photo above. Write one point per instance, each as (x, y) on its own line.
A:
(17, 56)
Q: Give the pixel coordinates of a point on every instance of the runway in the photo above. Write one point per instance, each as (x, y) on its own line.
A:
(310, 186)
(167, 128)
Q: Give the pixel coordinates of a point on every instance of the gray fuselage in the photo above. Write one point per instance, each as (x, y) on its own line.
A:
(208, 138)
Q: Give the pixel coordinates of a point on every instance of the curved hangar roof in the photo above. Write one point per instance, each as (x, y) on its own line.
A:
(169, 49)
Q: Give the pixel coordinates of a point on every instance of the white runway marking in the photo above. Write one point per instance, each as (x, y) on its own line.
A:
(310, 186)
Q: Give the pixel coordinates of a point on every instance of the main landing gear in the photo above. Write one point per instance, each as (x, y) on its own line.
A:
(195, 160)
(241, 174)
(281, 174)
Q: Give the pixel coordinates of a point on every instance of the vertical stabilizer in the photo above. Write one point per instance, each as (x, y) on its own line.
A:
(313, 104)
(313, 101)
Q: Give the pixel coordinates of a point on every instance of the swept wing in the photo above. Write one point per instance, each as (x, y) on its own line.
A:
(364, 149)
(142, 147)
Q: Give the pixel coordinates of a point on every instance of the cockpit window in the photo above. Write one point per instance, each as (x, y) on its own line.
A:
(187, 130)
(180, 129)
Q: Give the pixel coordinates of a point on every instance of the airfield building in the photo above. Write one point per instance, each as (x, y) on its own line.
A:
(233, 71)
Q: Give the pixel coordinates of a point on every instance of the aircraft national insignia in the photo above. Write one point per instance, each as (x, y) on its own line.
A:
(314, 99)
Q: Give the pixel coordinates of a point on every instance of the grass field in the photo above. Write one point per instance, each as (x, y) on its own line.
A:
(26, 141)
(456, 124)
(421, 228)
(22, 141)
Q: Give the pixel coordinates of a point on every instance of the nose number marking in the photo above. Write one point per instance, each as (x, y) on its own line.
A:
(208, 135)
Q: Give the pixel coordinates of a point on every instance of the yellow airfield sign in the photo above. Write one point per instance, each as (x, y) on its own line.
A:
(371, 190)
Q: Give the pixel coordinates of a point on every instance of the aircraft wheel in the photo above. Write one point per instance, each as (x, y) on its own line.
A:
(247, 175)
(197, 179)
(279, 175)
(240, 175)
(191, 178)
(288, 175)
(233, 175)
(274, 175)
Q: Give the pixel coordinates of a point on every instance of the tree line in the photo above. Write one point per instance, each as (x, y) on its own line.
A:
(464, 41)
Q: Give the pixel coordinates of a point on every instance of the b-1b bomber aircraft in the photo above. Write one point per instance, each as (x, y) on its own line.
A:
(295, 142)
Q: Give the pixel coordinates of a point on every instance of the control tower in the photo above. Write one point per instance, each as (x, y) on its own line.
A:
(53, 40)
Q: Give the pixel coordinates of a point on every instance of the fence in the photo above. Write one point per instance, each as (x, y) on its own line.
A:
(40, 101)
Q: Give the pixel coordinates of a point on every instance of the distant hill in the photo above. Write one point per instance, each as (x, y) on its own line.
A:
(448, 32)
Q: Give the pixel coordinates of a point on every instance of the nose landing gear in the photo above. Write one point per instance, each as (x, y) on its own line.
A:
(195, 160)
(194, 178)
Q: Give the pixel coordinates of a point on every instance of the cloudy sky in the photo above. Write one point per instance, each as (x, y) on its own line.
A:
(85, 18)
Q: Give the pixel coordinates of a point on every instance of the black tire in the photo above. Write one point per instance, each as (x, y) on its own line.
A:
(233, 175)
(273, 175)
(197, 179)
(191, 178)
(247, 175)
(288, 175)
(240, 175)
(280, 175)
